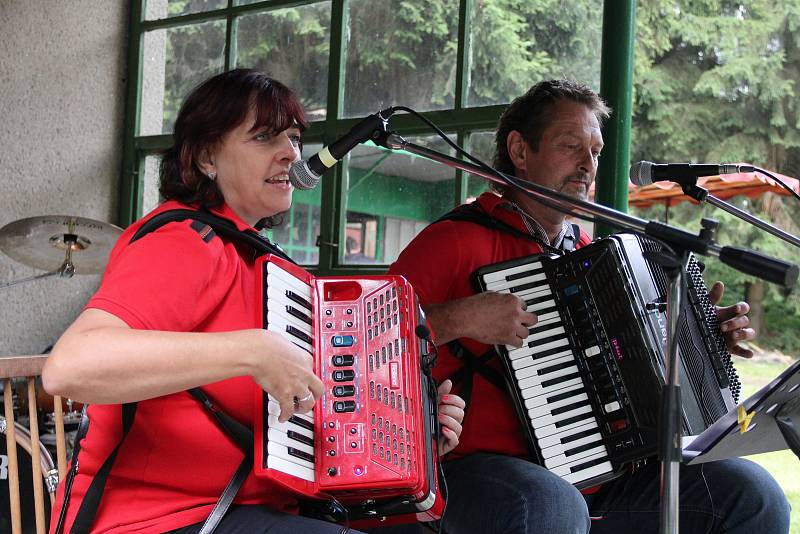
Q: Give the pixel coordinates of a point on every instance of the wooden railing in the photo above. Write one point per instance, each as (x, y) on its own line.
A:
(26, 369)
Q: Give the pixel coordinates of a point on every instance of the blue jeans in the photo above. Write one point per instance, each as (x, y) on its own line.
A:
(261, 520)
(504, 495)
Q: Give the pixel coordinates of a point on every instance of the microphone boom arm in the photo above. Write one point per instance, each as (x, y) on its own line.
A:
(748, 261)
(702, 195)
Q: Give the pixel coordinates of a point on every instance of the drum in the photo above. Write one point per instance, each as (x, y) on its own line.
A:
(44, 404)
(26, 492)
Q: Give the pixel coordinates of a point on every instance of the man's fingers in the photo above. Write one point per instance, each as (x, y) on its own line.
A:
(316, 386)
(529, 319)
(742, 352)
(743, 334)
(522, 332)
(447, 441)
(287, 409)
(737, 323)
(729, 312)
(716, 292)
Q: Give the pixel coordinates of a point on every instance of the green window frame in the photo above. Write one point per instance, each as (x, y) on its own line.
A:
(615, 85)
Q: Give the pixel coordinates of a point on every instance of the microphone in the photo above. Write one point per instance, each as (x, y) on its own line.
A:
(647, 172)
(306, 174)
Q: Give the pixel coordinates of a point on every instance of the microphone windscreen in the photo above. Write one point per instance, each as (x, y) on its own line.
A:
(640, 173)
(301, 177)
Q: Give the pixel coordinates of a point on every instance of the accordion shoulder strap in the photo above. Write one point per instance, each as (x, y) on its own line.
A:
(475, 214)
(220, 225)
(472, 364)
(239, 433)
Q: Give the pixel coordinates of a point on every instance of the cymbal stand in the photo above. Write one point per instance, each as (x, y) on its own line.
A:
(67, 269)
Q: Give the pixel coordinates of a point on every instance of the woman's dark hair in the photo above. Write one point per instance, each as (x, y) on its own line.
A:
(214, 108)
(531, 113)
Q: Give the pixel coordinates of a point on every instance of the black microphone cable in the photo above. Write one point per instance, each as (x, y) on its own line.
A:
(781, 182)
(424, 333)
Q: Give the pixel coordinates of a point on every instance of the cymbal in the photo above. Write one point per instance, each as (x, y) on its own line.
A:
(49, 241)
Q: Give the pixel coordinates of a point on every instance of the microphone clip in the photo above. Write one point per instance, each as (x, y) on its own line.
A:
(691, 189)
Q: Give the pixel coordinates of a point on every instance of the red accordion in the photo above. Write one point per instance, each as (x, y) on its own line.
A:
(367, 450)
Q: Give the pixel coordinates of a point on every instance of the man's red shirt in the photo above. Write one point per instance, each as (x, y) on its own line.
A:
(440, 263)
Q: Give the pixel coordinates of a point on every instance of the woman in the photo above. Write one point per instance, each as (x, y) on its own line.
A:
(175, 310)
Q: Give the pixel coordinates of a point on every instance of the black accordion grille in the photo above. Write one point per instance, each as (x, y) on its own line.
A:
(717, 340)
(700, 339)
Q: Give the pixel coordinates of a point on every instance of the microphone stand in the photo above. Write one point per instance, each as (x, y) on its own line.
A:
(702, 195)
(748, 261)
(751, 262)
(671, 415)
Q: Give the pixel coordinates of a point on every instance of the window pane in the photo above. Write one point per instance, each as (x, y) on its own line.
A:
(400, 52)
(175, 61)
(481, 145)
(514, 47)
(161, 9)
(150, 195)
(297, 235)
(391, 197)
(291, 45)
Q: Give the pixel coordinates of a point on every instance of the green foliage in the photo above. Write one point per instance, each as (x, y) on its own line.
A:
(279, 41)
(396, 51)
(716, 80)
(519, 42)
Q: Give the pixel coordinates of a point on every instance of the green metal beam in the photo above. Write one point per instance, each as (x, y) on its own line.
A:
(334, 185)
(616, 87)
(131, 175)
(224, 12)
(462, 55)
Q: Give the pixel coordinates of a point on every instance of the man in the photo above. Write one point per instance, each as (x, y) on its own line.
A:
(550, 136)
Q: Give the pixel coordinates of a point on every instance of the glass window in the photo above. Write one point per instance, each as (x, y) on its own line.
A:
(161, 9)
(298, 232)
(400, 52)
(391, 197)
(513, 47)
(291, 45)
(481, 145)
(393, 52)
(175, 61)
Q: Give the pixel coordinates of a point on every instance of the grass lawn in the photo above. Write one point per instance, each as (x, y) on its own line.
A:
(783, 465)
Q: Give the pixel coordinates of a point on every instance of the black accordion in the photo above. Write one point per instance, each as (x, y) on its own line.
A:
(587, 381)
